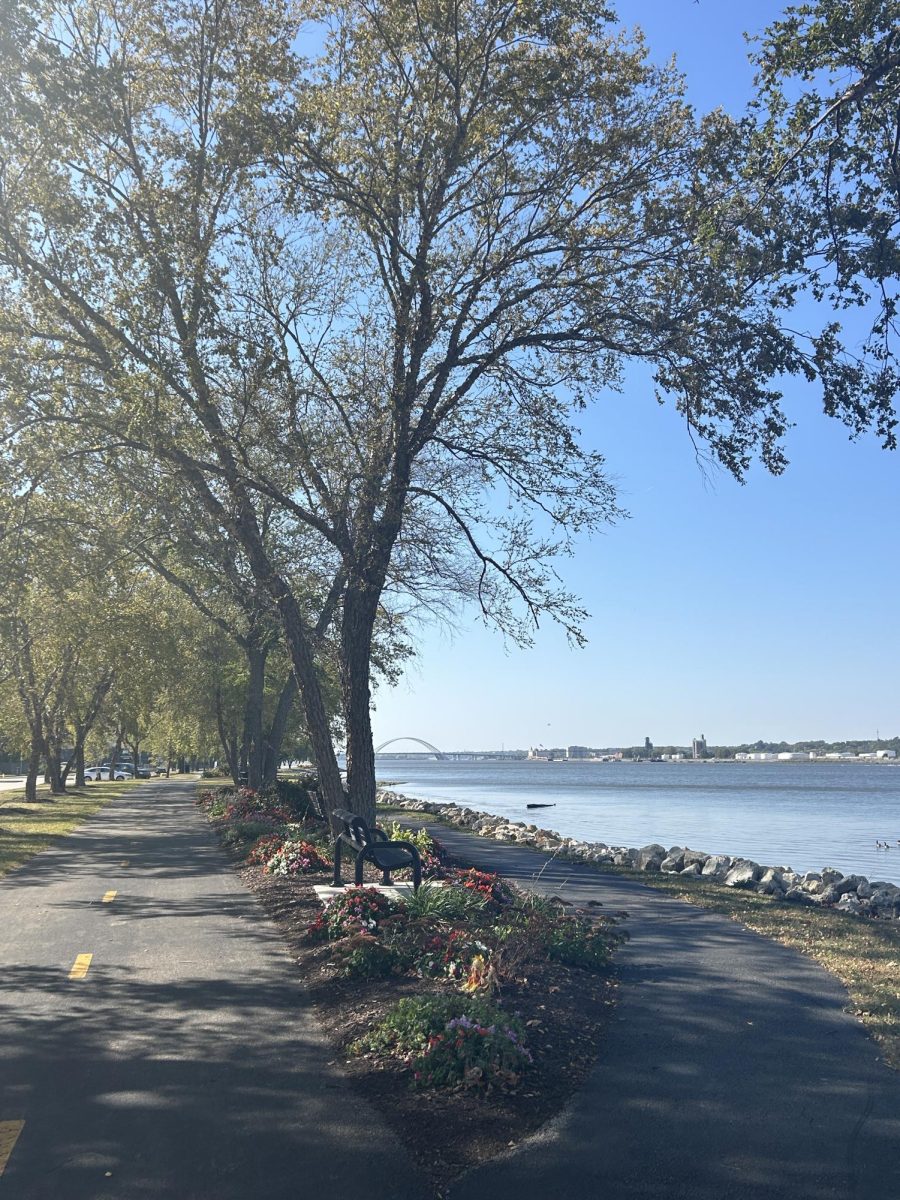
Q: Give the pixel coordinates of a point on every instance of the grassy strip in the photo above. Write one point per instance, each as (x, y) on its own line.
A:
(27, 829)
(863, 954)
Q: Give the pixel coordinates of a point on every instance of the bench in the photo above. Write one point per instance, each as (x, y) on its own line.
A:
(372, 845)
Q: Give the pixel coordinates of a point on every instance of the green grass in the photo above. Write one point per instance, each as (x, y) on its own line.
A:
(27, 829)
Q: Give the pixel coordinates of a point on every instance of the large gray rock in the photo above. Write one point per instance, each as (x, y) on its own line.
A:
(771, 883)
(693, 871)
(798, 895)
(743, 874)
(672, 863)
(695, 856)
(717, 864)
(849, 883)
(885, 901)
(649, 858)
(831, 875)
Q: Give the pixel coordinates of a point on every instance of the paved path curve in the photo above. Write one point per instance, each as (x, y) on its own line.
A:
(183, 1064)
(731, 1069)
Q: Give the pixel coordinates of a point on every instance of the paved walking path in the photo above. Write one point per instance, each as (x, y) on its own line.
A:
(731, 1069)
(184, 1063)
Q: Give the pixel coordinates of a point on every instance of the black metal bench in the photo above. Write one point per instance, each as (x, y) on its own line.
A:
(372, 845)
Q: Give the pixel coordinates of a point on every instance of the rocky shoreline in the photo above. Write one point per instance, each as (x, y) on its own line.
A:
(826, 888)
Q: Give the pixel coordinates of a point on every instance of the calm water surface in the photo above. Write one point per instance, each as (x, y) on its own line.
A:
(802, 815)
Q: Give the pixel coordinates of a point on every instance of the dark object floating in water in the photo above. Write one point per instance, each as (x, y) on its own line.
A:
(540, 805)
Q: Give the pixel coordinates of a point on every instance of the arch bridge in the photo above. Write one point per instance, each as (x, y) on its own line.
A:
(439, 754)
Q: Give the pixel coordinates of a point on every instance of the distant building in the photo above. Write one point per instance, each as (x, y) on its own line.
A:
(579, 752)
(698, 746)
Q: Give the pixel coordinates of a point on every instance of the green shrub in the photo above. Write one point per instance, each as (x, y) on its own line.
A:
(295, 796)
(446, 903)
(539, 929)
(431, 852)
(483, 883)
(263, 849)
(366, 956)
(296, 858)
(356, 910)
(577, 942)
(237, 834)
(452, 1041)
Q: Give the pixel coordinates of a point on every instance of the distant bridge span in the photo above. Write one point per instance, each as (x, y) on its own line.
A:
(428, 746)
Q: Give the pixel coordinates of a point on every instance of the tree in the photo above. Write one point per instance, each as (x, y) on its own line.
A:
(368, 294)
(829, 89)
(57, 614)
(526, 204)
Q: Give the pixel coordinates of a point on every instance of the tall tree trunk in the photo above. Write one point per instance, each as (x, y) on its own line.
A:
(54, 770)
(357, 625)
(228, 743)
(253, 714)
(274, 741)
(116, 754)
(299, 642)
(331, 786)
(84, 727)
(34, 765)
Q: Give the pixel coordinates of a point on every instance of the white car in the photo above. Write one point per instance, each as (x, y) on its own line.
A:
(96, 774)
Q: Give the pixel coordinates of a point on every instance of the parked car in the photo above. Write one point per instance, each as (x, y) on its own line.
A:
(123, 764)
(97, 774)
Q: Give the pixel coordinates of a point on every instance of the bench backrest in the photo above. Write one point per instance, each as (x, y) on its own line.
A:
(355, 829)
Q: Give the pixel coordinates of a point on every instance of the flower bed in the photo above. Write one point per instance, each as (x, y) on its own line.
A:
(484, 1005)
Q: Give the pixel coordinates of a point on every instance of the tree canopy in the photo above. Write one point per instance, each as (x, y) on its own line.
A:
(339, 314)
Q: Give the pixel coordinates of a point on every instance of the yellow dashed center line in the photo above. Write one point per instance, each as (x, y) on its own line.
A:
(80, 966)
(108, 897)
(9, 1135)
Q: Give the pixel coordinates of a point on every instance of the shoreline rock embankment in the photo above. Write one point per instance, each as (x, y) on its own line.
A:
(826, 888)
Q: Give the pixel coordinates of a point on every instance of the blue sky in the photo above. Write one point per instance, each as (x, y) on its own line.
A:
(762, 611)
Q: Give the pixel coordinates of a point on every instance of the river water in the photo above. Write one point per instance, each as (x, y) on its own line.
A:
(802, 815)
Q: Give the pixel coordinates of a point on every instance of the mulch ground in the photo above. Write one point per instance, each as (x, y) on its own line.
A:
(566, 1012)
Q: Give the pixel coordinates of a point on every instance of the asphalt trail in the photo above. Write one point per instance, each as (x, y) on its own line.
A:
(731, 1069)
(184, 1064)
